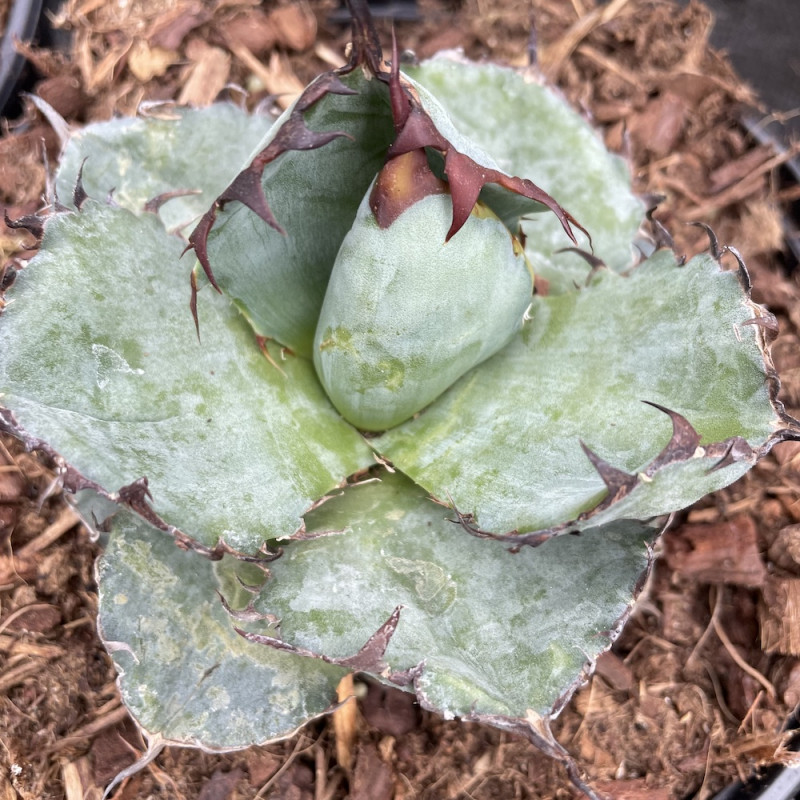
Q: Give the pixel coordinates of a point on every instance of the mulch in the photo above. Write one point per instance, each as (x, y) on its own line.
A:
(696, 691)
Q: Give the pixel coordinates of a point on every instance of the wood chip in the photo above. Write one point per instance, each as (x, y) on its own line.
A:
(277, 78)
(14, 646)
(722, 552)
(372, 779)
(78, 780)
(391, 711)
(64, 93)
(66, 521)
(20, 673)
(733, 171)
(637, 789)
(208, 76)
(345, 722)
(147, 62)
(660, 125)
(14, 570)
(295, 25)
(12, 490)
(784, 550)
(170, 28)
(106, 720)
(329, 56)
(788, 454)
(111, 751)
(221, 785)
(614, 671)
(261, 765)
(779, 612)
(103, 73)
(553, 56)
(34, 618)
(21, 170)
(252, 29)
(791, 692)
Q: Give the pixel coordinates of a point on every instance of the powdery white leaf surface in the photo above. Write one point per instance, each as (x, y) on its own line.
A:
(504, 443)
(495, 632)
(137, 159)
(184, 672)
(101, 359)
(531, 131)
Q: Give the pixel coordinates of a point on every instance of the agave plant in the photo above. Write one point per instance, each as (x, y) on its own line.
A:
(353, 414)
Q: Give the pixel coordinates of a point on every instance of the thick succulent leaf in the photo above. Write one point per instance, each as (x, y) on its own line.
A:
(100, 359)
(184, 672)
(141, 159)
(279, 278)
(504, 443)
(493, 632)
(531, 131)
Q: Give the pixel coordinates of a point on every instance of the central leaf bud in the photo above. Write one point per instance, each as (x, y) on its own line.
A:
(407, 312)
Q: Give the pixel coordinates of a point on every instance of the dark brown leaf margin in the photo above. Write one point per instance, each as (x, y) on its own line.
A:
(136, 496)
(466, 178)
(684, 443)
(370, 659)
(246, 187)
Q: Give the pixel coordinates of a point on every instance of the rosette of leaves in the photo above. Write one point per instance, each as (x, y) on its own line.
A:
(623, 389)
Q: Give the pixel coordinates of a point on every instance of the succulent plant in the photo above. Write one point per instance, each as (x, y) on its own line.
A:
(374, 263)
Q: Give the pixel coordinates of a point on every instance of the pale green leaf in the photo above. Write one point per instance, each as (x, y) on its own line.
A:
(137, 159)
(100, 359)
(504, 443)
(496, 632)
(184, 672)
(407, 313)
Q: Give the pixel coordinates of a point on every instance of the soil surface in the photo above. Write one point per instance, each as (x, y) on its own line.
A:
(695, 692)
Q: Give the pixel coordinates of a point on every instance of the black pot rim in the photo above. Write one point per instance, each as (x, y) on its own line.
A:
(23, 19)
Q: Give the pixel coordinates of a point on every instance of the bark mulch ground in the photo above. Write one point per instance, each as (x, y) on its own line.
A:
(696, 691)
